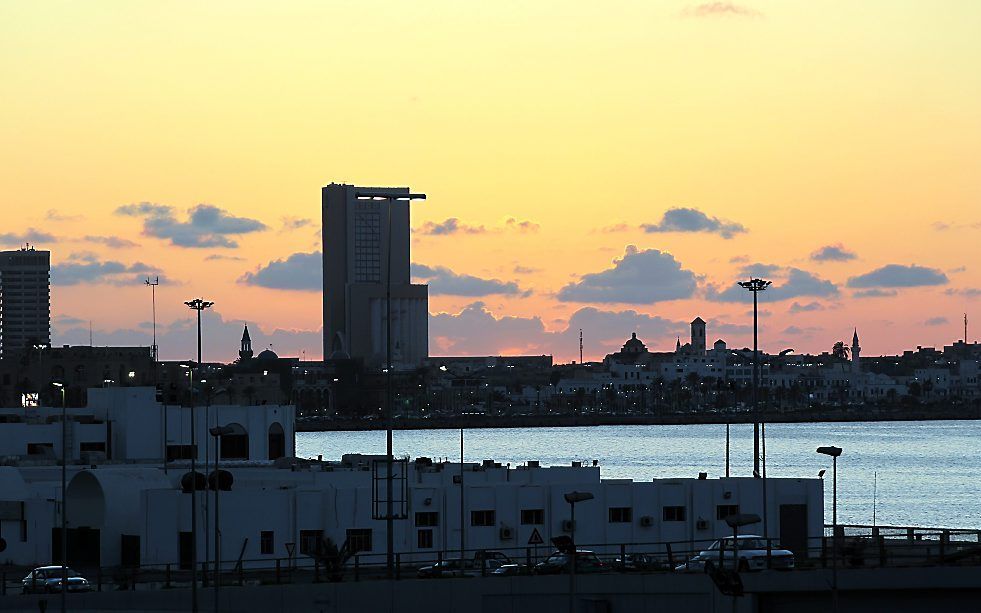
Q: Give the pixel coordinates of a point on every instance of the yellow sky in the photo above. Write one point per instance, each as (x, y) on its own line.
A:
(810, 124)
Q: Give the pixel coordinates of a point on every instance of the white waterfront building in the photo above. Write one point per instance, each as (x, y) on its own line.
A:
(128, 507)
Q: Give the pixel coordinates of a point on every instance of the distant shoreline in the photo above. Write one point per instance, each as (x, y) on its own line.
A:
(849, 414)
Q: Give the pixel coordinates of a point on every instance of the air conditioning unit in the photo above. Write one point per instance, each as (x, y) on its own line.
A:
(567, 525)
(646, 521)
(506, 533)
(701, 524)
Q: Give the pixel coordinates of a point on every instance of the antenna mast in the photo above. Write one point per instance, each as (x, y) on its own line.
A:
(580, 346)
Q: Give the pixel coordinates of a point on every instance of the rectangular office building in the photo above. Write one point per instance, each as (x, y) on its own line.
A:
(25, 298)
(366, 260)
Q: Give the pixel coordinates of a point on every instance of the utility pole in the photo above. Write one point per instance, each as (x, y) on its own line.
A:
(756, 286)
(580, 346)
(198, 305)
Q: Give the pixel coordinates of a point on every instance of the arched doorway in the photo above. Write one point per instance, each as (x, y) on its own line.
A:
(277, 441)
(235, 446)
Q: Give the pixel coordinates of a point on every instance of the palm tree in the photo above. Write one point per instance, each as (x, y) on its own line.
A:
(840, 350)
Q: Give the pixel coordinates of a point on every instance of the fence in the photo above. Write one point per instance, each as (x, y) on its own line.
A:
(857, 547)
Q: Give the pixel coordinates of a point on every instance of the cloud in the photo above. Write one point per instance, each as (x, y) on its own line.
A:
(833, 253)
(31, 235)
(519, 225)
(218, 257)
(788, 283)
(67, 320)
(299, 271)
(54, 215)
(294, 223)
(966, 292)
(639, 277)
(805, 308)
(448, 227)
(739, 259)
(720, 9)
(798, 331)
(936, 321)
(114, 242)
(443, 281)
(524, 270)
(453, 225)
(477, 331)
(898, 275)
(87, 268)
(177, 338)
(206, 226)
(693, 220)
(617, 227)
(874, 293)
(942, 226)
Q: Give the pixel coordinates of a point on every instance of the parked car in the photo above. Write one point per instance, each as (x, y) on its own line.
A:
(640, 562)
(750, 554)
(512, 570)
(48, 579)
(558, 562)
(470, 567)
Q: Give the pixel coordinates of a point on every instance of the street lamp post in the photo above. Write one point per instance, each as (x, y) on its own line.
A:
(572, 498)
(755, 286)
(64, 499)
(218, 432)
(834, 452)
(197, 304)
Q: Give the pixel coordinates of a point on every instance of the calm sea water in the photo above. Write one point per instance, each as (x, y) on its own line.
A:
(925, 473)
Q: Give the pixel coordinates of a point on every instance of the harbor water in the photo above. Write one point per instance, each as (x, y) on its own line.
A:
(924, 473)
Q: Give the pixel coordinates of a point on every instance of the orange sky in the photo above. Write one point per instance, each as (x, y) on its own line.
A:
(781, 127)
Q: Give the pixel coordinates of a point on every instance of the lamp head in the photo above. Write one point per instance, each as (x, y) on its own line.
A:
(832, 451)
(742, 519)
(574, 497)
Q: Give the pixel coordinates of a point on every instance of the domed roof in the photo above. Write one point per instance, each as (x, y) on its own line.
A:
(267, 354)
(634, 345)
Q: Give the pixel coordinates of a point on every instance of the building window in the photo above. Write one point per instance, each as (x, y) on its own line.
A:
(723, 511)
(424, 539)
(266, 542)
(310, 541)
(482, 518)
(621, 515)
(673, 513)
(358, 539)
(427, 519)
(532, 517)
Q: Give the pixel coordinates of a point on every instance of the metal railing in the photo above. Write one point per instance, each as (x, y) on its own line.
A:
(857, 547)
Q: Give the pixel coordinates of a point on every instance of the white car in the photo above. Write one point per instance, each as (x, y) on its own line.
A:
(750, 551)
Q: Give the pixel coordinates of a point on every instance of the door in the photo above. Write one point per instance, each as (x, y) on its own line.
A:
(129, 545)
(793, 529)
(185, 550)
(84, 547)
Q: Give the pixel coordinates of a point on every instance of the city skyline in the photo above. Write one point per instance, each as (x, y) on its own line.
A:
(848, 183)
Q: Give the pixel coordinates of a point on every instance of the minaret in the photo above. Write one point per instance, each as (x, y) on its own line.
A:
(856, 352)
(677, 346)
(245, 353)
(698, 336)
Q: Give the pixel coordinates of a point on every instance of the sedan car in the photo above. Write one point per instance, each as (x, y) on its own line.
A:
(512, 570)
(455, 567)
(558, 562)
(750, 553)
(48, 579)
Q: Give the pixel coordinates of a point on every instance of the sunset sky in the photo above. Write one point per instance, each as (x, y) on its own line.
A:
(612, 166)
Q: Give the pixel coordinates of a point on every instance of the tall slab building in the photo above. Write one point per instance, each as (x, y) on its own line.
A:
(25, 298)
(366, 255)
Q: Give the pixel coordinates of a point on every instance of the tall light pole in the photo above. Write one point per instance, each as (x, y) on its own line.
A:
(834, 452)
(389, 198)
(153, 306)
(64, 499)
(756, 286)
(197, 304)
(218, 432)
(572, 498)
